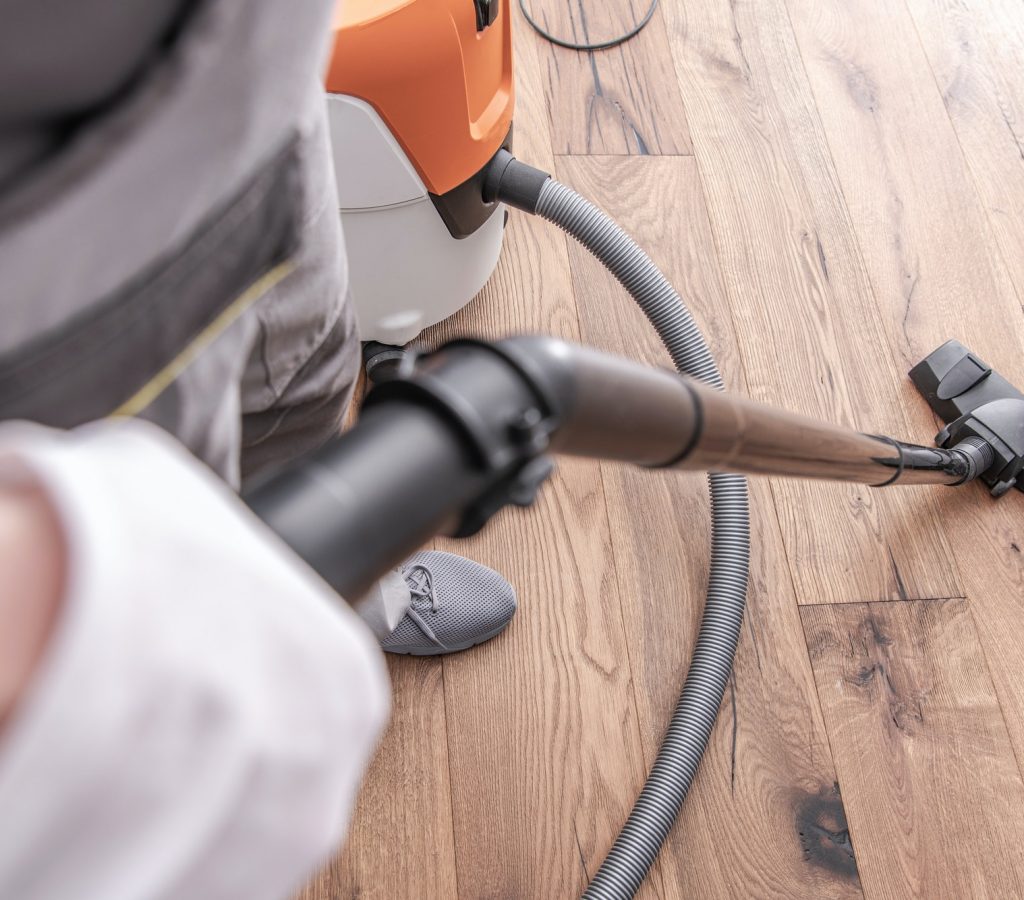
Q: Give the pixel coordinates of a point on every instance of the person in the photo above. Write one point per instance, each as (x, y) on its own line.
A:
(185, 709)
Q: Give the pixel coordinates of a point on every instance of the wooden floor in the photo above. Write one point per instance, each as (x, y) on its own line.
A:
(836, 187)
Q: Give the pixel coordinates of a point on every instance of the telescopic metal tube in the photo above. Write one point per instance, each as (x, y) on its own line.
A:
(625, 411)
(448, 446)
(739, 435)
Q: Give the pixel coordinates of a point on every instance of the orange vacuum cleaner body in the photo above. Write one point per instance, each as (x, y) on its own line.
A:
(442, 85)
(420, 98)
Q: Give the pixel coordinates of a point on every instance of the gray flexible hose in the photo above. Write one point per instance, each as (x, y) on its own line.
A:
(687, 736)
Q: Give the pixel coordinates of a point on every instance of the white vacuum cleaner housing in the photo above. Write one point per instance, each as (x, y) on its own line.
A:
(411, 134)
(406, 270)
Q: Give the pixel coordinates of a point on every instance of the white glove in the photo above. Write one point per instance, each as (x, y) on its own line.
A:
(201, 719)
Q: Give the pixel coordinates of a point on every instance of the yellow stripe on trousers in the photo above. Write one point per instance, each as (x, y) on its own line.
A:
(166, 376)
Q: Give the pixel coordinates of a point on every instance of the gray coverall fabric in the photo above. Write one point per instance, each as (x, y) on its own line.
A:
(121, 132)
(206, 109)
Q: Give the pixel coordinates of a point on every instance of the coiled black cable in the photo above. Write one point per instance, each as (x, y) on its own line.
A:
(598, 45)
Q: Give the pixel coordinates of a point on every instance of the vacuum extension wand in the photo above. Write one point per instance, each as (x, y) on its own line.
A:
(441, 449)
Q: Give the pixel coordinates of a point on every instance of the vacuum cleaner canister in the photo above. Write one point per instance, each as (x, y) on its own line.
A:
(420, 99)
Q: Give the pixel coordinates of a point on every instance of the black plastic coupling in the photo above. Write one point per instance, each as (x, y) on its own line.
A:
(382, 362)
(512, 182)
(502, 402)
(978, 454)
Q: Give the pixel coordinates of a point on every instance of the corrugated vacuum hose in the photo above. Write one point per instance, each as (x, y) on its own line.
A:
(688, 733)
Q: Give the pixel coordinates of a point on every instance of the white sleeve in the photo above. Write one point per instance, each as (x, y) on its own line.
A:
(206, 707)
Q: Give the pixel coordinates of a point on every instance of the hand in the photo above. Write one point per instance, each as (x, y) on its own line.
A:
(32, 574)
(199, 721)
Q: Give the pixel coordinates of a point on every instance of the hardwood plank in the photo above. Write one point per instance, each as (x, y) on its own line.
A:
(768, 775)
(624, 100)
(401, 842)
(406, 802)
(913, 204)
(976, 51)
(803, 310)
(542, 724)
(934, 268)
(934, 797)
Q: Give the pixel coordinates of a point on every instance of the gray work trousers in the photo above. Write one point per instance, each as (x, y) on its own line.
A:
(181, 256)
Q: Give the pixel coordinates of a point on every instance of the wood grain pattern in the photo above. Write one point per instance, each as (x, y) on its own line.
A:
(935, 271)
(763, 818)
(624, 100)
(855, 197)
(542, 723)
(976, 52)
(401, 842)
(915, 725)
(803, 310)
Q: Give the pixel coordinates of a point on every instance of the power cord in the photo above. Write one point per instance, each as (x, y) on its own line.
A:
(601, 45)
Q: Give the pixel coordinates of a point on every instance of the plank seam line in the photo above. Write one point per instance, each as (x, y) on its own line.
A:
(996, 693)
(451, 790)
(878, 602)
(611, 155)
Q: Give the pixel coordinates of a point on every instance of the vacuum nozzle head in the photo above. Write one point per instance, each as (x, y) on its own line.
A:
(979, 407)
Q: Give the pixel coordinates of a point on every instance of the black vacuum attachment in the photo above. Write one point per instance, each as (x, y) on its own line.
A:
(976, 402)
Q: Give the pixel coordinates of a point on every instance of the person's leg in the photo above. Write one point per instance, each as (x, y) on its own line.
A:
(305, 358)
(296, 388)
(154, 212)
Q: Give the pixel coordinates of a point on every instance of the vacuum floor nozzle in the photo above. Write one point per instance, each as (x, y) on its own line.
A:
(979, 406)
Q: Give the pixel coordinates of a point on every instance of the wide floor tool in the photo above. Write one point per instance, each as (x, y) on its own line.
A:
(979, 405)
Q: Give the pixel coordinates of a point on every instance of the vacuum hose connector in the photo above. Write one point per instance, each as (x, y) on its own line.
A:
(978, 454)
(512, 182)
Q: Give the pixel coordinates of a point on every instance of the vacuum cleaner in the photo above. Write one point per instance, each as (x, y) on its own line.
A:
(470, 428)
(419, 99)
